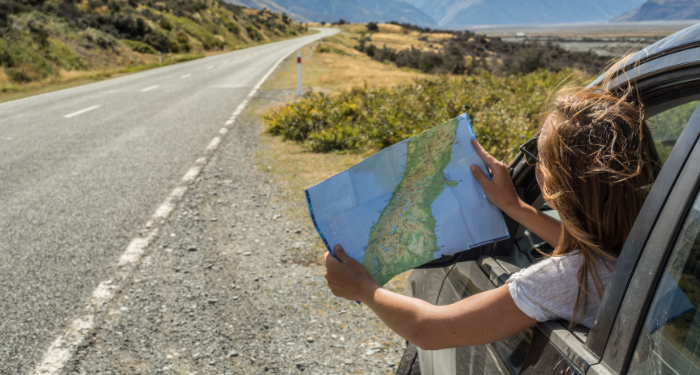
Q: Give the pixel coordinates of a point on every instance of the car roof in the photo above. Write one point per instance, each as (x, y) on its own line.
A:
(681, 40)
(686, 38)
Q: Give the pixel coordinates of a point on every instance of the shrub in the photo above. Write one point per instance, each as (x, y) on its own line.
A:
(372, 26)
(18, 75)
(504, 111)
(254, 33)
(63, 56)
(140, 47)
(492, 54)
(99, 37)
(161, 42)
(23, 64)
(165, 24)
(231, 26)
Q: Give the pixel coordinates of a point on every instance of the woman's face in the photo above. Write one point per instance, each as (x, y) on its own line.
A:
(546, 127)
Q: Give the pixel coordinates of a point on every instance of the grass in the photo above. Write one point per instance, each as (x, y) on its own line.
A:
(66, 79)
(504, 111)
(48, 47)
(334, 72)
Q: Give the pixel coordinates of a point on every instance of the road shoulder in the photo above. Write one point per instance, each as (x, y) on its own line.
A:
(219, 292)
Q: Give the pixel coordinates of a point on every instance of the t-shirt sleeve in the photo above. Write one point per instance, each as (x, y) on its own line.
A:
(546, 290)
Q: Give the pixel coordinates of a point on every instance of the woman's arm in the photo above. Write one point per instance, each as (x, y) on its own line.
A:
(480, 319)
(501, 192)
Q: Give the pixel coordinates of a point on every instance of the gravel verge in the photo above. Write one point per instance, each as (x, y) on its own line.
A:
(219, 291)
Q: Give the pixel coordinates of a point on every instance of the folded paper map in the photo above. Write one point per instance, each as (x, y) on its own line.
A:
(408, 204)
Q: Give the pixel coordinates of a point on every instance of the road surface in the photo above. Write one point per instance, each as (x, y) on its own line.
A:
(82, 170)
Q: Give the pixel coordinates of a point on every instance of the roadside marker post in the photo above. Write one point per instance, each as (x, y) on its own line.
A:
(299, 73)
(160, 57)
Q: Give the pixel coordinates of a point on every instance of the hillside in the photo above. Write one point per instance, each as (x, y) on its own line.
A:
(454, 13)
(664, 10)
(349, 10)
(49, 38)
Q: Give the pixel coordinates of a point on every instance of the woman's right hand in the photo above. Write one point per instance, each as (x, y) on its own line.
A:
(499, 189)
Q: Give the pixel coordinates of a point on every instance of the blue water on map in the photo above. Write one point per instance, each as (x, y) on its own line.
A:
(348, 203)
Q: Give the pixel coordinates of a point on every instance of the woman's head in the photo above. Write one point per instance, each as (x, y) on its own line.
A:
(597, 164)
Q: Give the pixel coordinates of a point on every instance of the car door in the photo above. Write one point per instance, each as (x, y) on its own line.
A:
(669, 86)
(656, 330)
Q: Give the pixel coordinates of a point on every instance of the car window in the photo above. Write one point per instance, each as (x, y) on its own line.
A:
(667, 126)
(669, 341)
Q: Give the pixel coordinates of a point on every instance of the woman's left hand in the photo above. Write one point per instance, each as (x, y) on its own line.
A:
(346, 277)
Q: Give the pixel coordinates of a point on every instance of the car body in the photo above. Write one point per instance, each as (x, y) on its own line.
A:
(647, 321)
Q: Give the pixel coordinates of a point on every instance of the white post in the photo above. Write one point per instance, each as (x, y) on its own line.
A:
(311, 52)
(224, 48)
(160, 57)
(299, 73)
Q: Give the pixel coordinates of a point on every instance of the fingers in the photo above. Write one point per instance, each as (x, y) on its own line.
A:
(485, 156)
(480, 176)
(340, 253)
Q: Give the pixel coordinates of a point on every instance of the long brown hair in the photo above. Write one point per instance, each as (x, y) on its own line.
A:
(598, 161)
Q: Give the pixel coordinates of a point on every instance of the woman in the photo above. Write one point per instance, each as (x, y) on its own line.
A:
(595, 163)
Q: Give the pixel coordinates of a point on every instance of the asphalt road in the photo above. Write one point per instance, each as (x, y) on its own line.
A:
(82, 170)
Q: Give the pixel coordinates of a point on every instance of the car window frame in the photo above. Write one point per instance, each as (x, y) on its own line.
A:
(655, 88)
(656, 250)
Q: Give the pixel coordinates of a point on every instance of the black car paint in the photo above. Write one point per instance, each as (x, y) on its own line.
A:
(663, 74)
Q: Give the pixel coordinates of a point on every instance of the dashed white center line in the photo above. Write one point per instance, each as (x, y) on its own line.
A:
(149, 88)
(186, 75)
(81, 111)
(209, 67)
(64, 347)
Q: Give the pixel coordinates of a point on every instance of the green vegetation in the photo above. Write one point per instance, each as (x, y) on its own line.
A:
(43, 38)
(666, 127)
(140, 47)
(504, 111)
(468, 53)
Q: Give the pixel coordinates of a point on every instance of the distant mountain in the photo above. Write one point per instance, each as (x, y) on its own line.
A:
(455, 13)
(664, 10)
(349, 10)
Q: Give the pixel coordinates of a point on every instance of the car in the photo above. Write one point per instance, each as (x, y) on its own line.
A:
(648, 321)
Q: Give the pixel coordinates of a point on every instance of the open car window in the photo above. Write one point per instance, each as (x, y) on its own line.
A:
(667, 126)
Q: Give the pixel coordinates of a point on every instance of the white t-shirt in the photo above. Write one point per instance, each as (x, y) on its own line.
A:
(547, 290)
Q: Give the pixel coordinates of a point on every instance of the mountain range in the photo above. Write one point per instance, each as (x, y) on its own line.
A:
(664, 10)
(348, 10)
(460, 13)
(454, 13)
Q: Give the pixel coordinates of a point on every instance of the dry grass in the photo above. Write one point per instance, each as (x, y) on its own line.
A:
(63, 80)
(338, 71)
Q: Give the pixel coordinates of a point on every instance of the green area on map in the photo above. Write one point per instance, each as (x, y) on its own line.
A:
(404, 235)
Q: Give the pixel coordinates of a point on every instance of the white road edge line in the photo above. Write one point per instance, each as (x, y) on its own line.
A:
(185, 76)
(150, 88)
(66, 344)
(81, 111)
